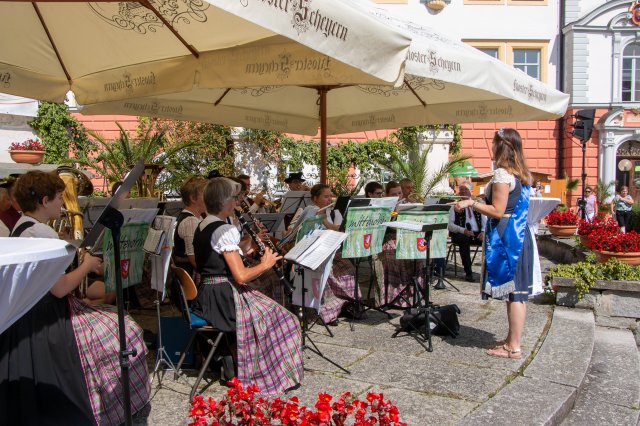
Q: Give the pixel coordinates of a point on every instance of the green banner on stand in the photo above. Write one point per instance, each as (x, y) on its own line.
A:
(132, 236)
(365, 232)
(411, 244)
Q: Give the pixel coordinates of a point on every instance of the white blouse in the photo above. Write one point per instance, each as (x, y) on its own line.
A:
(501, 176)
(38, 230)
(225, 238)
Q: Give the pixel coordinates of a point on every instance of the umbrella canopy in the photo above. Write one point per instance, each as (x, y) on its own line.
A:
(464, 169)
(446, 81)
(108, 51)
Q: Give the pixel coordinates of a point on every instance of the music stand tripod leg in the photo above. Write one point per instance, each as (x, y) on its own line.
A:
(305, 330)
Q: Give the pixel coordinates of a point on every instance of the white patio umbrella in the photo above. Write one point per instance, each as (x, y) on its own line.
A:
(107, 50)
(446, 81)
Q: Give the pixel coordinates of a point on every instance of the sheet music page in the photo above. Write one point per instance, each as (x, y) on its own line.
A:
(302, 246)
(411, 225)
(313, 250)
(385, 202)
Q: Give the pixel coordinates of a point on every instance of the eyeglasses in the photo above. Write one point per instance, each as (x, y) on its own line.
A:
(588, 191)
(377, 193)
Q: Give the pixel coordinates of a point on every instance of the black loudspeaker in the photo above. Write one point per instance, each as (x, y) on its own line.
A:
(444, 320)
(583, 126)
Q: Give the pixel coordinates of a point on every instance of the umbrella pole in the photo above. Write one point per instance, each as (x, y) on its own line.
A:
(322, 91)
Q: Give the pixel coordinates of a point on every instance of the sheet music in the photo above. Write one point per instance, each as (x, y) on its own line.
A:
(384, 202)
(313, 250)
(410, 225)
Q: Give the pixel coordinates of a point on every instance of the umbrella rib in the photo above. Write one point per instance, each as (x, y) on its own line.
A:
(424, 104)
(53, 45)
(221, 97)
(149, 6)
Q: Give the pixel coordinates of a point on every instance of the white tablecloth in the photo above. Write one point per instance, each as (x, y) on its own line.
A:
(28, 269)
(538, 208)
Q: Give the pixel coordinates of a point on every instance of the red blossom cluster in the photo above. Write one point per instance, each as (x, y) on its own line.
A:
(28, 145)
(586, 227)
(561, 218)
(604, 240)
(242, 407)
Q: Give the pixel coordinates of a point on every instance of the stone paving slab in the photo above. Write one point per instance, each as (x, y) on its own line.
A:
(566, 352)
(526, 400)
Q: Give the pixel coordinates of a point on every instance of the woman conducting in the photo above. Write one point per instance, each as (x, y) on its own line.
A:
(267, 346)
(508, 269)
(59, 363)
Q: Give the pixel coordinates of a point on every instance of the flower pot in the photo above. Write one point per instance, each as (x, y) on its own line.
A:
(562, 230)
(584, 241)
(628, 258)
(28, 157)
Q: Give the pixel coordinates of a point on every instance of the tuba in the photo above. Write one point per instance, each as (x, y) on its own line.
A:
(76, 183)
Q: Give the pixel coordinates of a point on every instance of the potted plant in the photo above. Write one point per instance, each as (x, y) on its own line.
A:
(607, 244)
(586, 227)
(562, 223)
(30, 151)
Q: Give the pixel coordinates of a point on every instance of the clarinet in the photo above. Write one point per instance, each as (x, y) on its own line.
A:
(288, 287)
(245, 210)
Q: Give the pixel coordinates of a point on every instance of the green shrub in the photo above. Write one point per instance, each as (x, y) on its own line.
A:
(585, 274)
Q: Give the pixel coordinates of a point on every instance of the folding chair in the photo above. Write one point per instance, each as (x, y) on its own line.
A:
(453, 252)
(198, 325)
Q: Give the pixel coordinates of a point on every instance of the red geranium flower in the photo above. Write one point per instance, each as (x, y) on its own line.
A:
(28, 145)
(561, 218)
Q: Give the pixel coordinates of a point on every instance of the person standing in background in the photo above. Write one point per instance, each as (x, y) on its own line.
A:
(622, 206)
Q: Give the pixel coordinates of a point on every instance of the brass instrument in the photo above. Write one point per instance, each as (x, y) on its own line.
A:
(71, 219)
(147, 181)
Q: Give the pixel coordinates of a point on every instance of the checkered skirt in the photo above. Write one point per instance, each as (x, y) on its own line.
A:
(339, 290)
(268, 339)
(96, 332)
(394, 277)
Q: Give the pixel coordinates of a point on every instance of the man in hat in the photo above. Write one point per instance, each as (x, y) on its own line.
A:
(466, 229)
(295, 180)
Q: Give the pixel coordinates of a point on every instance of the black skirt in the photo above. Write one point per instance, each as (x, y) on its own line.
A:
(41, 377)
(215, 303)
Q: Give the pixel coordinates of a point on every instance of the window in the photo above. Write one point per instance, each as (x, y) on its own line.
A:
(631, 73)
(528, 56)
(527, 60)
(491, 51)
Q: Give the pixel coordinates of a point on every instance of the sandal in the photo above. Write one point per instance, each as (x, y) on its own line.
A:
(498, 344)
(504, 352)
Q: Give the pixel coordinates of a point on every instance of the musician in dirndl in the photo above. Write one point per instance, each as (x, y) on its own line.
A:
(394, 276)
(341, 285)
(265, 339)
(508, 245)
(59, 363)
(192, 194)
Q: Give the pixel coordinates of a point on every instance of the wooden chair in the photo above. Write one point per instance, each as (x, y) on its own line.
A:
(198, 325)
(452, 252)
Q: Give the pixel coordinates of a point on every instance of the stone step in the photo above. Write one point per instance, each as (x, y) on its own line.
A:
(548, 389)
(611, 392)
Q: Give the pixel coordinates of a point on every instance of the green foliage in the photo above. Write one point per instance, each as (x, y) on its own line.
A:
(604, 191)
(572, 185)
(410, 162)
(634, 220)
(585, 274)
(61, 134)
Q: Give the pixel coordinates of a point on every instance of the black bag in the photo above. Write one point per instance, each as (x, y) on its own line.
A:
(413, 319)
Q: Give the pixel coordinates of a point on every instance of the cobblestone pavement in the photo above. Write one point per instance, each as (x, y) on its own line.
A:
(438, 387)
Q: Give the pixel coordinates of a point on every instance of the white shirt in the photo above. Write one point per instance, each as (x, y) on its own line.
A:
(225, 238)
(38, 230)
(470, 218)
(186, 230)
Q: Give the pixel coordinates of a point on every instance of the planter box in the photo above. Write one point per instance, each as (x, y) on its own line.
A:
(608, 298)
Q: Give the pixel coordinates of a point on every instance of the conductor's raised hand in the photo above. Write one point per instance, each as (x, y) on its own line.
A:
(269, 258)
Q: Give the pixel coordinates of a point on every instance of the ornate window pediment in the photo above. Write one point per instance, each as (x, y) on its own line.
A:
(629, 149)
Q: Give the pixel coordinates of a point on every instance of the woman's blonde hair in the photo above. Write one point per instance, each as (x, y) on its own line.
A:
(507, 149)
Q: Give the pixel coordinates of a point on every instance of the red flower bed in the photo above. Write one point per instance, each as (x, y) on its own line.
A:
(605, 240)
(243, 407)
(586, 227)
(561, 218)
(28, 145)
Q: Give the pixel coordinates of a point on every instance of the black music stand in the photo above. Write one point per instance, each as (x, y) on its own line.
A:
(112, 218)
(304, 320)
(427, 308)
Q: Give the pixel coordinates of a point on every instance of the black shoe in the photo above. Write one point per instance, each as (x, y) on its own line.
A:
(469, 278)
